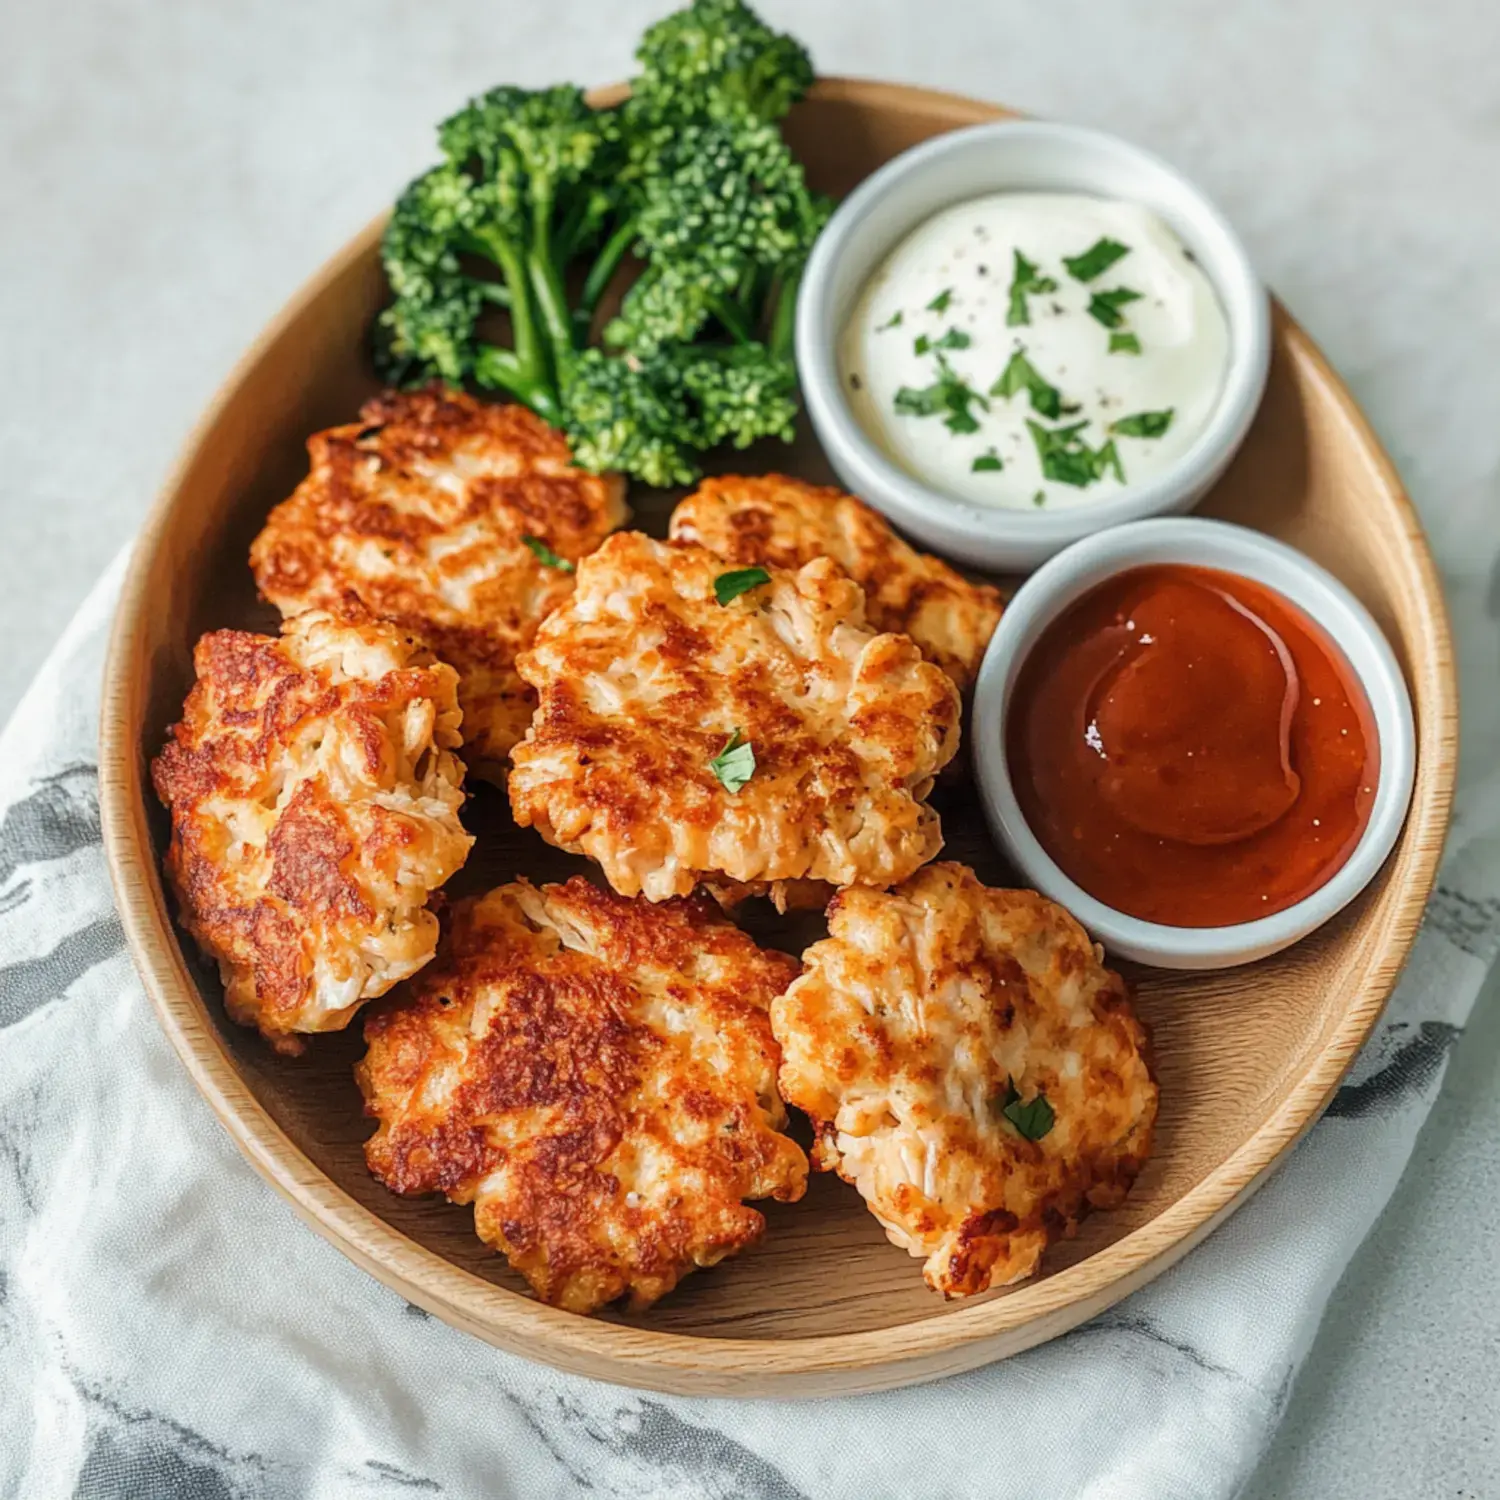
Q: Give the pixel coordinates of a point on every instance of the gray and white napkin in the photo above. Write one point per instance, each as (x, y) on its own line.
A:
(168, 1328)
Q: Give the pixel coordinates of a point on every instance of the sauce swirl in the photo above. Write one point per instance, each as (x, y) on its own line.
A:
(1190, 748)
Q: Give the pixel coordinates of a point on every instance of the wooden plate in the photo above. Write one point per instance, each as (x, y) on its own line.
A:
(1247, 1058)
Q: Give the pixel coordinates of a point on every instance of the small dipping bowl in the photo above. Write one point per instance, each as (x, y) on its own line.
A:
(1323, 599)
(1019, 156)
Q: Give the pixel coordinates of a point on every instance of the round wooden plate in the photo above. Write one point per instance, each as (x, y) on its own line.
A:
(1247, 1058)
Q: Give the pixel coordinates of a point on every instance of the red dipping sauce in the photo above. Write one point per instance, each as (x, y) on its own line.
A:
(1190, 748)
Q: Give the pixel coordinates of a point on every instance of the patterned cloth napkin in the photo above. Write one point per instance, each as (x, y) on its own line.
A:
(168, 1328)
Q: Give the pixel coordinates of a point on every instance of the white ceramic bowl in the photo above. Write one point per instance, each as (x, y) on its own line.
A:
(1232, 549)
(1024, 156)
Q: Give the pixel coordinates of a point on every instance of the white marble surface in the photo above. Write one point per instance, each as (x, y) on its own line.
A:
(170, 173)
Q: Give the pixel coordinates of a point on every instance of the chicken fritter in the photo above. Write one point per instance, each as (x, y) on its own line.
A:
(768, 739)
(314, 791)
(776, 521)
(597, 1076)
(971, 1067)
(457, 519)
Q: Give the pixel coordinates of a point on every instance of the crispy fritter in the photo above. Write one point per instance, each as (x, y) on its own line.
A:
(420, 511)
(314, 793)
(598, 1077)
(927, 1011)
(644, 678)
(781, 522)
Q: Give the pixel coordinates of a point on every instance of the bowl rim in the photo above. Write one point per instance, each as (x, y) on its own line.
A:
(912, 502)
(1308, 586)
(951, 1339)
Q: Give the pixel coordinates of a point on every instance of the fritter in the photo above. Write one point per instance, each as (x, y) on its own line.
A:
(456, 519)
(971, 1067)
(597, 1076)
(772, 738)
(776, 521)
(314, 793)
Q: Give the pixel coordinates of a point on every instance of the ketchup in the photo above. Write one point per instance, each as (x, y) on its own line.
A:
(1190, 748)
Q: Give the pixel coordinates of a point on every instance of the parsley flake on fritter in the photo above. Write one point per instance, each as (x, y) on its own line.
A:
(771, 739)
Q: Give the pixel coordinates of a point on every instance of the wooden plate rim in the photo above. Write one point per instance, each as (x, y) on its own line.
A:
(950, 1340)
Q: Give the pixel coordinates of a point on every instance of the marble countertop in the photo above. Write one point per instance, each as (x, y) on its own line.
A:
(171, 173)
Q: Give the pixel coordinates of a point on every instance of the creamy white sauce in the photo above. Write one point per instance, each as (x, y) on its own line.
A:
(968, 252)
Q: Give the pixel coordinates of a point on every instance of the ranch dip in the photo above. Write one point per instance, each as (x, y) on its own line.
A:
(1036, 350)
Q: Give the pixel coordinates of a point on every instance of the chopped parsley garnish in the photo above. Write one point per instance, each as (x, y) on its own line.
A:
(734, 765)
(545, 555)
(1033, 1118)
(1024, 283)
(941, 301)
(1144, 424)
(1124, 343)
(1067, 459)
(728, 586)
(955, 338)
(949, 394)
(1105, 306)
(894, 321)
(1099, 257)
(988, 462)
(1021, 375)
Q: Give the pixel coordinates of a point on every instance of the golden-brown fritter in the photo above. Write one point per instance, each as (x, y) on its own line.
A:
(314, 794)
(421, 511)
(645, 679)
(781, 522)
(598, 1077)
(971, 1067)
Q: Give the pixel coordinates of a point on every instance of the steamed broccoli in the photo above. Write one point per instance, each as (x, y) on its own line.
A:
(525, 189)
(539, 194)
(721, 51)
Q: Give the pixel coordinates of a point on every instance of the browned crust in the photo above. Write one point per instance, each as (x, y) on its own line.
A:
(643, 676)
(595, 1074)
(940, 992)
(275, 861)
(777, 521)
(417, 512)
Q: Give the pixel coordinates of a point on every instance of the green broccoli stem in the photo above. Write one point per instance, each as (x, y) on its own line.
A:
(531, 363)
(754, 284)
(499, 369)
(547, 285)
(571, 232)
(601, 273)
(732, 316)
(784, 318)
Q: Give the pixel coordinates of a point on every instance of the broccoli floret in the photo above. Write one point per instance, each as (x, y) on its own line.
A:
(715, 50)
(428, 329)
(526, 187)
(725, 223)
(741, 394)
(729, 191)
(652, 416)
(667, 304)
(631, 415)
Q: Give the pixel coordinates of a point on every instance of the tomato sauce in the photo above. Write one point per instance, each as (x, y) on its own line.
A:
(1191, 748)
